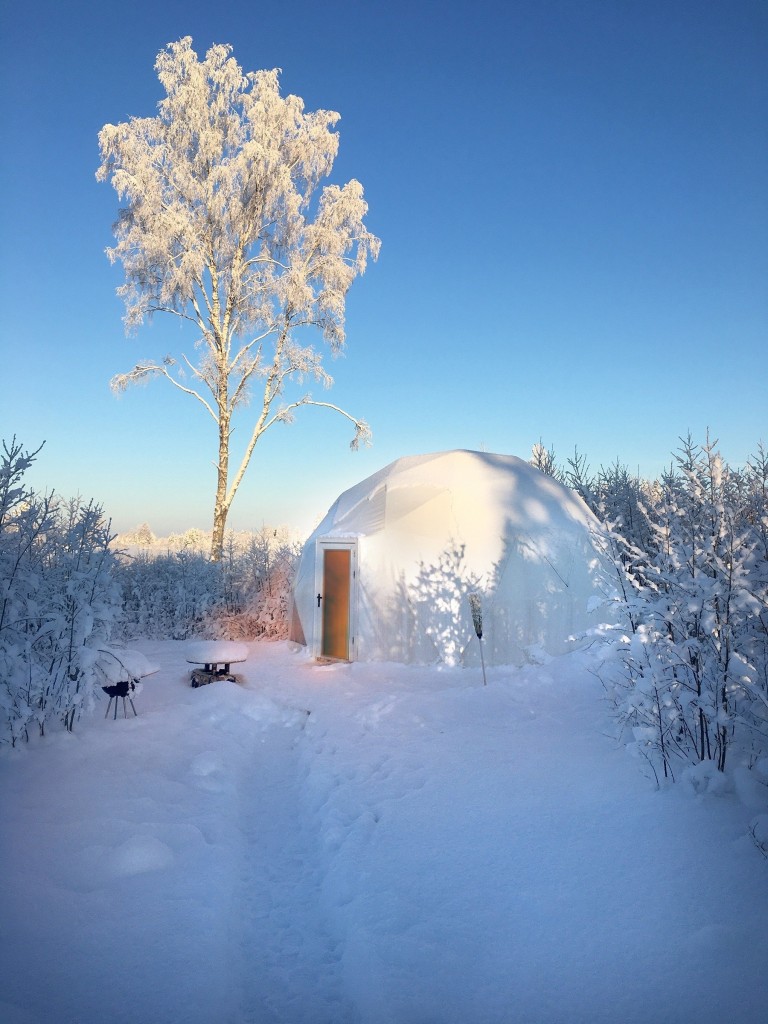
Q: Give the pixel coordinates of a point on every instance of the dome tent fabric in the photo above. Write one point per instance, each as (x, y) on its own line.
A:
(387, 574)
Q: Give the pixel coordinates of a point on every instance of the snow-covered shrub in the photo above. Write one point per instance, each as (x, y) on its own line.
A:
(265, 611)
(58, 601)
(181, 593)
(686, 666)
(168, 596)
(258, 577)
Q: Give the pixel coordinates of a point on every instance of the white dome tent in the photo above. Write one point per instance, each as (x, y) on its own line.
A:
(387, 574)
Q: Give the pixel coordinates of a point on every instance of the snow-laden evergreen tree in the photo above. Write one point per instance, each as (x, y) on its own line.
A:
(544, 460)
(577, 475)
(613, 494)
(690, 643)
(223, 227)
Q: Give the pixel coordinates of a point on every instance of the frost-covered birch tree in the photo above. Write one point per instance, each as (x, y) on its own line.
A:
(223, 226)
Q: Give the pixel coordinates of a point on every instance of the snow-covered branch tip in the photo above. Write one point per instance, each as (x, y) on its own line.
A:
(138, 375)
(363, 434)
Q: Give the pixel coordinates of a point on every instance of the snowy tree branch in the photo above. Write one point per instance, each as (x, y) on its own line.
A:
(140, 373)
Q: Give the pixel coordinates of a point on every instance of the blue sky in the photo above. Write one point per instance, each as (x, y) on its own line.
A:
(572, 197)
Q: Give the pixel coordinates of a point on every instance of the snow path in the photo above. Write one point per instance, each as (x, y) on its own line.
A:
(289, 964)
(369, 844)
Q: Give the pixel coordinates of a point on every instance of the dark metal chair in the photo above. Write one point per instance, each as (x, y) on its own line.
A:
(121, 691)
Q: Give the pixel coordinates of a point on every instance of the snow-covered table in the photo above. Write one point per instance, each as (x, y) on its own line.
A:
(217, 658)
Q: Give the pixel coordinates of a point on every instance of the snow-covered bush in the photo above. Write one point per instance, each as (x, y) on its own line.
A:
(260, 582)
(168, 596)
(687, 665)
(178, 594)
(58, 601)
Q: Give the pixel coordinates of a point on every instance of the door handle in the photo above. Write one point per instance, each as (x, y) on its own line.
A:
(319, 599)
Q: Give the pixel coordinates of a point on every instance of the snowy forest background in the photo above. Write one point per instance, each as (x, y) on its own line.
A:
(683, 652)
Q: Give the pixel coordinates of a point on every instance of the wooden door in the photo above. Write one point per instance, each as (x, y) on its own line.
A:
(337, 577)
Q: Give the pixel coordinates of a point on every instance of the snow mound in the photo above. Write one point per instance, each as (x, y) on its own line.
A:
(207, 763)
(138, 855)
(118, 664)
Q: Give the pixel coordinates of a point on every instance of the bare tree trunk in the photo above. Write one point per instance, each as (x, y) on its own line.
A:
(219, 526)
(221, 508)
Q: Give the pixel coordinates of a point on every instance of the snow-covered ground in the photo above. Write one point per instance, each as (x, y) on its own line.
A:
(369, 843)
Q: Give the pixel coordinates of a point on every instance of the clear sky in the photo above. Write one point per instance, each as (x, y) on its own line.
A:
(572, 197)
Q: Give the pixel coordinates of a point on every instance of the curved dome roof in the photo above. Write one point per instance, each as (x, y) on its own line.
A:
(429, 528)
(477, 496)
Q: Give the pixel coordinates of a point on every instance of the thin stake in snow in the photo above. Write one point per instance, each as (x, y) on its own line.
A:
(477, 620)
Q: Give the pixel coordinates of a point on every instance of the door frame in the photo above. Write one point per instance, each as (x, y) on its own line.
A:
(335, 544)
